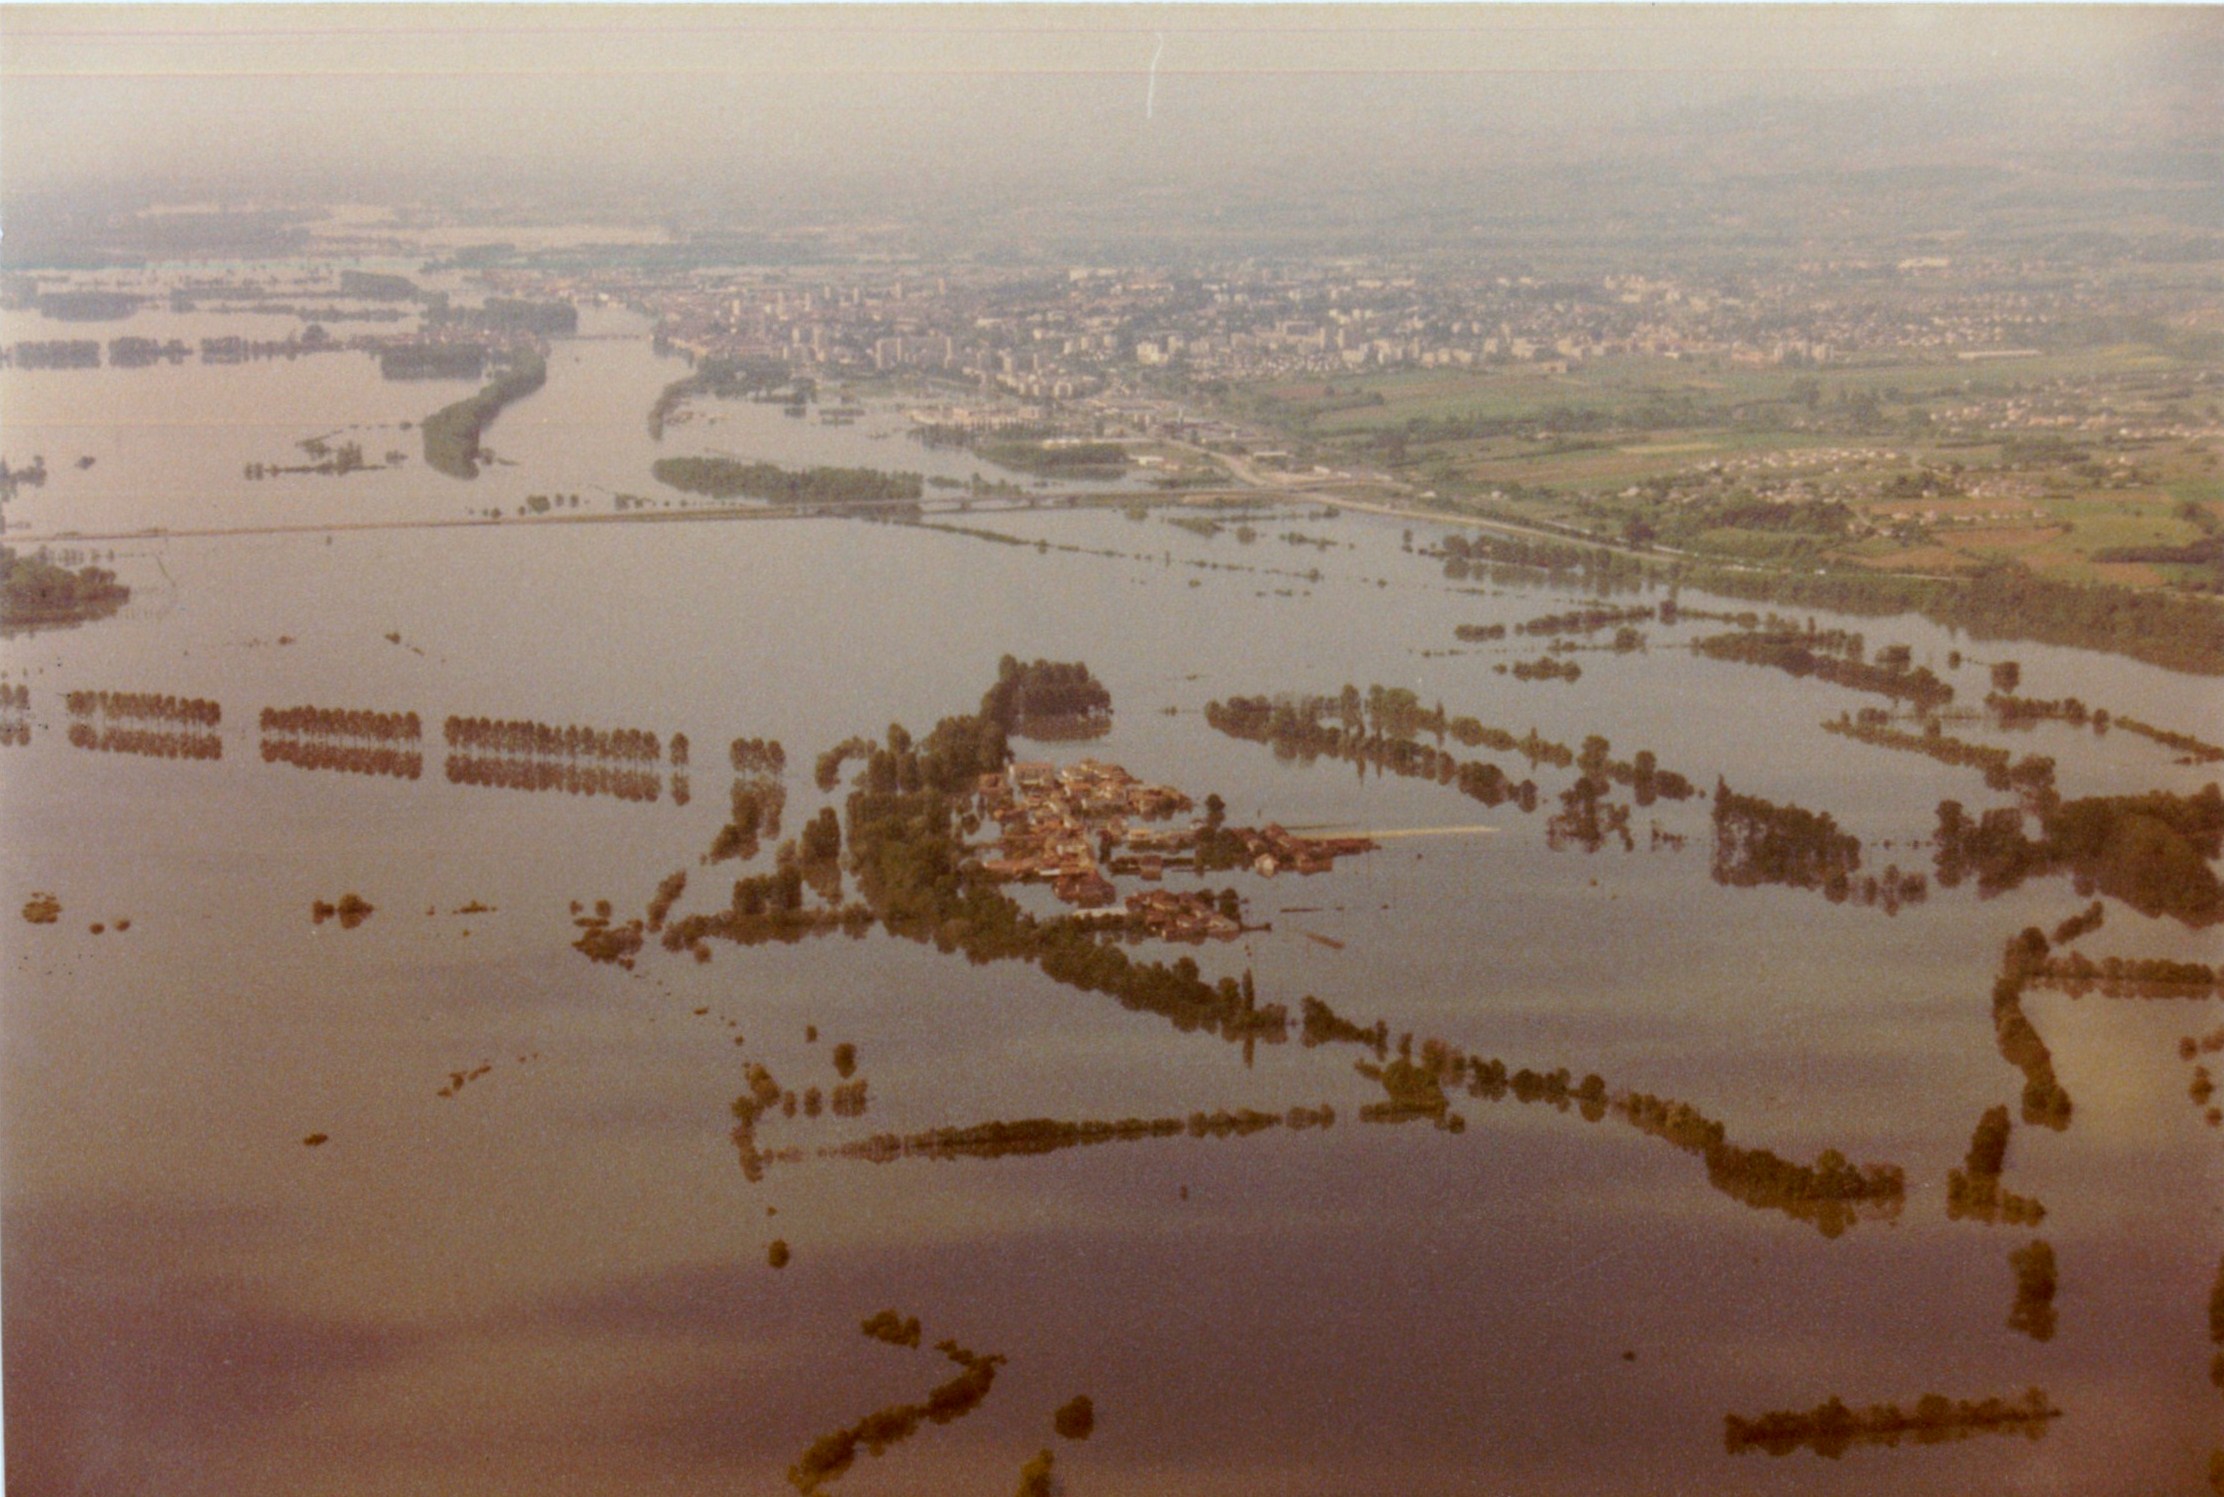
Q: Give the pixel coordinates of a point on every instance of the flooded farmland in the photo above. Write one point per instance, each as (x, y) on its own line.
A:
(434, 1198)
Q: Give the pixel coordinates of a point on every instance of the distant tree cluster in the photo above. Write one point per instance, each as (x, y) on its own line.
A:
(1295, 729)
(1544, 668)
(1058, 459)
(1824, 1192)
(1974, 1191)
(1829, 656)
(15, 726)
(1475, 634)
(1042, 693)
(1588, 620)
(1412, 1090)
(757, 756)
(2083, 923)
(432, 361)
(37, 594)
(2045, 1101)
(377, 286)
(2014, 711)
(721, 378)
(822, 487)
(145, 706)
(2001, 601)
(827, 773)
(1465, 553)
(2033, 1310)
(834, 1453)
(2196, 750)
(2216, 1326)
(2031, 776)
(144, 353)
(895, 1329)
(1759, 842)
(351, 910)
(1038, 1476)
(1322, 1025)
(757, 802)
(1075, 1419)
(517, 315)
(1832, 1428)
(2152, 851)
(451, 434)
(603, 940)
(55, 353)
(667, 894)
(541, 740)
(1586, 818)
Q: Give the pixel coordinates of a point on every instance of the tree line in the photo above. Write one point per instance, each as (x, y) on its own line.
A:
(2031, 776)
(347, 758)
(1830, 1429)
(835, 1452)
(1544, 668)
(1810, 654)
(1974, 1190)
(153, 743)
(543, 740)
(824, 487)
(451, 434)
(2045, 1101)
(2127, 976)
(343, 722)
(2152, 850)
(1294, 729)
(757, 756)
(1590, 620)
(1827, 1194)
(145, 706)
(544, 774)
(721, 378)
(2002, 601)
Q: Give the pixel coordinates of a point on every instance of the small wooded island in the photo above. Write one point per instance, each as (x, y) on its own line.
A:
(35, 593)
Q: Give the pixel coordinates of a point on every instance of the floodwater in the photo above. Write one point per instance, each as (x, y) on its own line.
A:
(556, 1278)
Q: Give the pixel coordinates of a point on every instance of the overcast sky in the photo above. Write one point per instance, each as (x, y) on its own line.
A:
(835, 108)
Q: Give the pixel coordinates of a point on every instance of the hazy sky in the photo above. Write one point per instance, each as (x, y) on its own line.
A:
(842, 107)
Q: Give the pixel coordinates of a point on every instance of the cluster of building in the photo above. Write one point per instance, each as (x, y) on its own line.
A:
(1271, 850)
(1074, 826)
(1105, 332)
(1064, 824)
(1177, 916)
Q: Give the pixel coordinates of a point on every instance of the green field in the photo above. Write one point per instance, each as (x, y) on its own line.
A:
(2047, 461)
